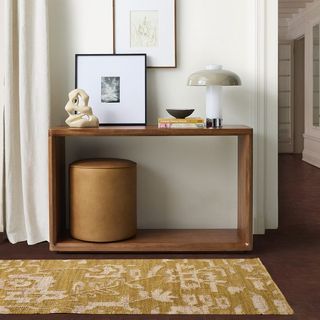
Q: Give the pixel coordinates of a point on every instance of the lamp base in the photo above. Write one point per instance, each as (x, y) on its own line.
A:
(214, 123)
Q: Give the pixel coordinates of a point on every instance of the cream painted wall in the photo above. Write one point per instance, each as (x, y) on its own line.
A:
(183, 182)
(270, 181)
(1, 103)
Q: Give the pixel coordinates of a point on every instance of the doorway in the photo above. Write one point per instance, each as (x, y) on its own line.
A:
(291, 95)
(298, 95)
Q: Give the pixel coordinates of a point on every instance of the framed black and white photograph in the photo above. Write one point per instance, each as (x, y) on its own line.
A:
(116, 85)
(110, 89)
(146, 26)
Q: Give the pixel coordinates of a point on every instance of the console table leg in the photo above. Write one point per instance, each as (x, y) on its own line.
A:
(245, 171)
(56, 188)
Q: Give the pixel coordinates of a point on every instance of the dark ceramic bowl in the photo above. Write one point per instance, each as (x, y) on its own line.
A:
(180, 113)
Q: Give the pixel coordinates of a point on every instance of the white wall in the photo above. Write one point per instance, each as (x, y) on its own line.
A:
(185, 182)
(1, 103)
(270, 104)
(302, 24)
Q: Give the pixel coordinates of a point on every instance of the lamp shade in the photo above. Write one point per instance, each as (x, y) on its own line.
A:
(214, 78)
(214, 75)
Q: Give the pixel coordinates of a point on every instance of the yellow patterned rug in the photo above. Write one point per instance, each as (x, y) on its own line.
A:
(221, 286)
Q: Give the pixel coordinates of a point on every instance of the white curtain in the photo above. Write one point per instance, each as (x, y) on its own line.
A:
(1, 111)
(26, 121)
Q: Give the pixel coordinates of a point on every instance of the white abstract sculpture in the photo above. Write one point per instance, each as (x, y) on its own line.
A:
(80, 114)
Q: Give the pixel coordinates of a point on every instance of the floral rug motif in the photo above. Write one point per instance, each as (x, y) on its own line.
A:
(189, 286)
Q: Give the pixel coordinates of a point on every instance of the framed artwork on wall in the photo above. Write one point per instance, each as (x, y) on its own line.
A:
(146, 26)
(116, 84)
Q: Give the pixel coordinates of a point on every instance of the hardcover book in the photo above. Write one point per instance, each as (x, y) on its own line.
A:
(183, 121)
(181, 125)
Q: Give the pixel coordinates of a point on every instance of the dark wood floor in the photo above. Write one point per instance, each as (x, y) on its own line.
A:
(291, 254)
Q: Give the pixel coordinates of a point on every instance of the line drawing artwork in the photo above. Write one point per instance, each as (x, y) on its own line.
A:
(110, 89)
(144, 27)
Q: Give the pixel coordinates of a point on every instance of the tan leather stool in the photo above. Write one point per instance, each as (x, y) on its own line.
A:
(103, 199)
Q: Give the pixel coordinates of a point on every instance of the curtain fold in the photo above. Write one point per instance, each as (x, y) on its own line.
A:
(1, 113)
(26, 121)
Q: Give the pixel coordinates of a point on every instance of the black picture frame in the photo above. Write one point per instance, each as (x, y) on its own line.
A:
(116, 85)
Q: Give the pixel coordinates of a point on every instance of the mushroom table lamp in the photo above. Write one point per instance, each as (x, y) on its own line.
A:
(214, 78)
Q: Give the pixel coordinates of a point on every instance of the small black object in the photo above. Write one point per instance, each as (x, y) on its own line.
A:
(214, 123)
(180, 113)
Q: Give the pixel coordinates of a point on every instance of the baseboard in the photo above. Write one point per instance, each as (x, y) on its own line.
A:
(285, 147)
(311, 158)
(2, 237)
(311, 152)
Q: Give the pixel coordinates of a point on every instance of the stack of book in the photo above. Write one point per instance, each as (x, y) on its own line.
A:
(174, 123)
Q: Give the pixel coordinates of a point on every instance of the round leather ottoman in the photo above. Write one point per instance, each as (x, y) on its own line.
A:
(103, 201)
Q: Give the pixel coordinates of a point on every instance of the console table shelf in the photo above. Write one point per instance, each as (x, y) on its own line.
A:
(205, 240)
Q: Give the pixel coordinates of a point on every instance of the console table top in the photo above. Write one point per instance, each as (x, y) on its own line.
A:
(149, 131)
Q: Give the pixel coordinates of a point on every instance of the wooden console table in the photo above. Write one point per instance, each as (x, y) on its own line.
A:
(212, 240)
